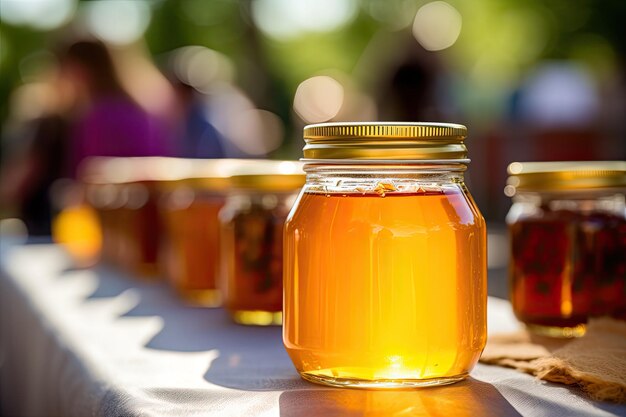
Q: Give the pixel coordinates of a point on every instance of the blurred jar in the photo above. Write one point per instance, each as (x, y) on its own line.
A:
(385, 258)
(251, 242)
(190, 246)
(76, 226)
(139, 227)
(125, 193)
(567, 230)
(107, 201)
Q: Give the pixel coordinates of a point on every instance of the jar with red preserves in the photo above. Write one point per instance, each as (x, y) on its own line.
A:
(567, 230)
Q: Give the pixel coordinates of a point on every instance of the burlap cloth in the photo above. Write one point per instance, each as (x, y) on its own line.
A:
(596, 362)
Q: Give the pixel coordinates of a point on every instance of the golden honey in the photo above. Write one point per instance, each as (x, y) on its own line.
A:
(385, 271)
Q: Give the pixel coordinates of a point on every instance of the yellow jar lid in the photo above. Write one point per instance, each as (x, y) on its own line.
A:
(565, 176)
(385, 141)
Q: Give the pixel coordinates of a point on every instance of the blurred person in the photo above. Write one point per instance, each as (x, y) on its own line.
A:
(82, 111)
(107, 121)
(413, 87)
(35, 149)
(215, 117)
(196, 137)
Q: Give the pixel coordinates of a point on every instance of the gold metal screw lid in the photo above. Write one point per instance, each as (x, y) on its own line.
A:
(565, 176)
(384, 142)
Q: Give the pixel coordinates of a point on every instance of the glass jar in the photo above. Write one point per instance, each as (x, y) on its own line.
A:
(126, 192)
(567, 229)
(385, 258)
(107, 201)
(189, 208)
(140, 228)
(102, 192)
(251, 242)
(189, 255)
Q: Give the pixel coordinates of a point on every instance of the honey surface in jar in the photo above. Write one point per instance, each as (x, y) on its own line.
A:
(192, 251)
(385, 286)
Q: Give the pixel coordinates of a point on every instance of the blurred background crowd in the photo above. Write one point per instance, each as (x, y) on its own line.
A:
(534, 80)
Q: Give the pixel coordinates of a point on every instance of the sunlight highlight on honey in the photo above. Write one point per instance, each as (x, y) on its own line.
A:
(393, 287)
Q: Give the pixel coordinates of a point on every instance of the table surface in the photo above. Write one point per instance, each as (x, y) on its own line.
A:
(80, 342)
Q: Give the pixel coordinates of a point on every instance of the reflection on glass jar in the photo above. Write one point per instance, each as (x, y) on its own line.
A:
(568, 240)
(251, 237)
(385, 258)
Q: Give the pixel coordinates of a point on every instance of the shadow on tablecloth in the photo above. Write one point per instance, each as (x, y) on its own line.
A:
(254, 359)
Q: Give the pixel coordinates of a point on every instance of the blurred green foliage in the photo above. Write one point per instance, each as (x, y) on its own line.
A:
(500, 40)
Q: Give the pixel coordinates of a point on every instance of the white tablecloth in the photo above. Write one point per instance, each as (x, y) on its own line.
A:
(95, 342)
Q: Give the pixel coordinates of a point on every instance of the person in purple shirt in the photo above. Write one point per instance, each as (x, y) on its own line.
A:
(91, 115)
(107, 122)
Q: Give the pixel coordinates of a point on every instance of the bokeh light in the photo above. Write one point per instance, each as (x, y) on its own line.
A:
(33, 100)
(33, 66)
(437, 25)
(284, 19)
(38, 14)
(253, 131)
(202, 67)
(560, 94)
(117, 22)
(256, 132)
(318, 99)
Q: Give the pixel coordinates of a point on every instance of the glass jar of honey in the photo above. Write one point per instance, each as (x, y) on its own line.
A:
(140, 228)
(567, 229)
(385, 258)
(189, 207)
(189, 255)
(251, 237)
(102, 181)
(125, 192)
